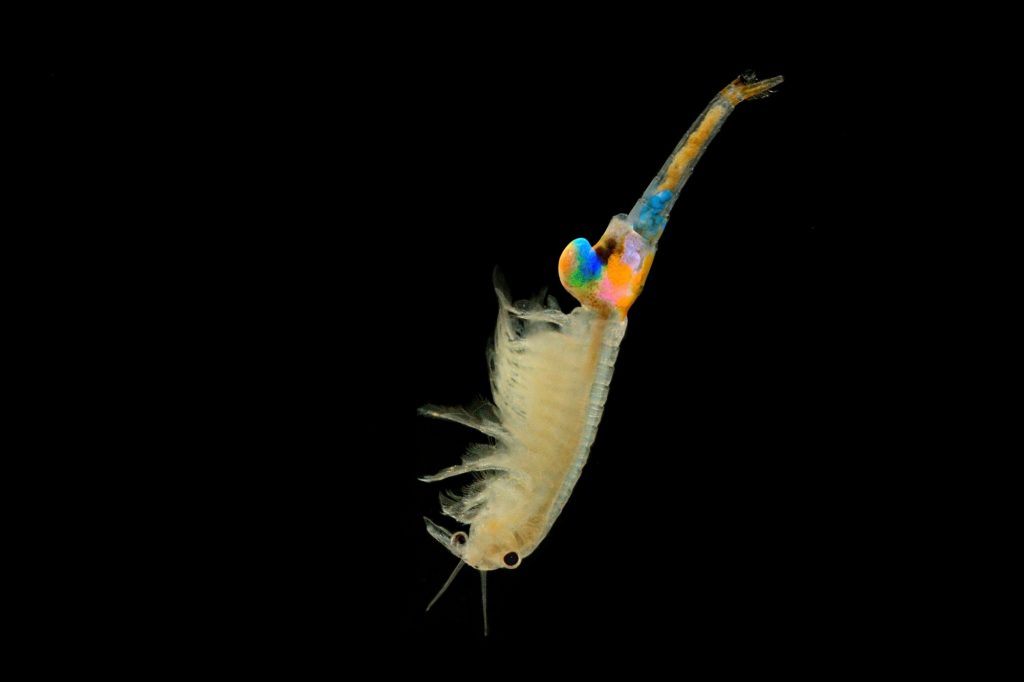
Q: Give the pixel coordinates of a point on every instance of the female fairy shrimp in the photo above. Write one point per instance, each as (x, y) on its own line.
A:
(550, 373)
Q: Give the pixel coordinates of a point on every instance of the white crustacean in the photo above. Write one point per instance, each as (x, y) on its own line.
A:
(550, 373)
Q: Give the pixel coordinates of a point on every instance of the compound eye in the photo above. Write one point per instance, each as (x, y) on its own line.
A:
(511, 559)
(459, 539)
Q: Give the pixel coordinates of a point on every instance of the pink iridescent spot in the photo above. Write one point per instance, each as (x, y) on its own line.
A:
(610, 293)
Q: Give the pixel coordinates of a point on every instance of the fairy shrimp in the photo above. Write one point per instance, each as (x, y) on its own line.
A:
(550, 373)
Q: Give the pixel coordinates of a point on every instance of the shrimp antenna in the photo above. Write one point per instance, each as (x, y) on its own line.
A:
(448, 582)
(483, 593)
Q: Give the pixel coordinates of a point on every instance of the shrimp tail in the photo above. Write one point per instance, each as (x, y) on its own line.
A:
(650, 213)
(608, 276)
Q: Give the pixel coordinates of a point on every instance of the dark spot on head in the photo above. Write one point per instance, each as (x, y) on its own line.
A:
(459, 538)
(511, 559)
(605, 249)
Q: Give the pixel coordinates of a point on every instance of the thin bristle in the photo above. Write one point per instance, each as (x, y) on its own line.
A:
(483, 590)
(448, 582)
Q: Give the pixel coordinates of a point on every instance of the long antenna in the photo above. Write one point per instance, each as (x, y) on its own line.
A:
(483, 592)
(448, 582)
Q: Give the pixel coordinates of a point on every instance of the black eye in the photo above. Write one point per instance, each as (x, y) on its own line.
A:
(459, 538)
(511, 559)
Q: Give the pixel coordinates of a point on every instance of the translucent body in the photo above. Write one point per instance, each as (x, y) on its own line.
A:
(549, 376)
(550, 371)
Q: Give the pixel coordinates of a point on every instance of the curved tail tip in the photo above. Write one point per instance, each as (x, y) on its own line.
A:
(746, 86)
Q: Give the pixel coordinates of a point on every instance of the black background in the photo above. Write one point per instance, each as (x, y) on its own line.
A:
(733, 486)
(321, 231)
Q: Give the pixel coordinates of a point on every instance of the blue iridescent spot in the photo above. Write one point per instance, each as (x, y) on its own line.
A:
(650, 222)
(657, 201)
(588, 265)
